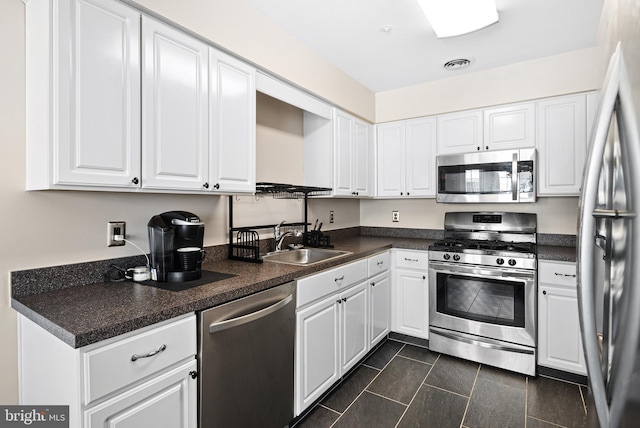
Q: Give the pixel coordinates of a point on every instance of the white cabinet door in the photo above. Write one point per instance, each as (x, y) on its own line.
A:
(232, 124)
(510, 127)
(166, 401)
(362, 159)
(98, 89)
(318, 354)
(354, 338)
(460, 132)
(379, 308)
(562, 145)
(420, 157)
(390, 148)
(353, 156)
(343, 152)
(559, 348)
(411, 303)
(175, 143)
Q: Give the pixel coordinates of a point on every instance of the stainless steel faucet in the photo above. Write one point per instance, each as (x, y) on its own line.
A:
(280, 237)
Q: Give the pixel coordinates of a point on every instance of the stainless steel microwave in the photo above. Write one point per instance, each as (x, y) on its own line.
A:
(502, 176)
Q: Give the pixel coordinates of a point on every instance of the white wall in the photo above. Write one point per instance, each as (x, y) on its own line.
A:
(555, 215)
(556, 75)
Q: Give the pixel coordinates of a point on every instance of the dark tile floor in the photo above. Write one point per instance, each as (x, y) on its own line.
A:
(402, 385)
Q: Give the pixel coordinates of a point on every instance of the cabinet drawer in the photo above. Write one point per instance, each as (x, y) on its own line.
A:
(411, 259)
(557, 273)
(379, 263)
(330, 281)
(111, 367)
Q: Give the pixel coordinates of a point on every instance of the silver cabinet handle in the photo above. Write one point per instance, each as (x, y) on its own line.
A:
(411, 260)
(565, 274)
(135, 357)
(339, 279)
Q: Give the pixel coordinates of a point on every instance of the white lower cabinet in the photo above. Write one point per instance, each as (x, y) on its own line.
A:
(144, 378)
(340, 316)
(165, 401)
(559, 336)
(410, 301)
(379, 308)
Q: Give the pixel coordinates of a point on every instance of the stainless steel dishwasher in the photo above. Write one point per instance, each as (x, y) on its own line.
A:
(246, 361)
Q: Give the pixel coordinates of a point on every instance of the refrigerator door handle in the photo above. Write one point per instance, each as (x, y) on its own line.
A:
(627, 340)
(586, 247)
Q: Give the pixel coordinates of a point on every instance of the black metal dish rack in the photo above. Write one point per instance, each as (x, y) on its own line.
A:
(247, 243)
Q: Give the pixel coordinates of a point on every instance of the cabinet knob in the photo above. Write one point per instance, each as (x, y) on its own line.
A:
(339, 301)
(486, 147)
(193, 374)
(216, 186)
(424, 277)
(373, 284)
(135, 180)
(478, 147)
(408, 193)
(344, 299)
(205, 185)
(401, 193)
(544, 292)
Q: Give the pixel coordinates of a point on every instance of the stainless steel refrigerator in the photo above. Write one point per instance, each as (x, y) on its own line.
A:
(609, 255)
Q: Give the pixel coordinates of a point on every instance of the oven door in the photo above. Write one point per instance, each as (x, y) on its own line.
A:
(490, 302)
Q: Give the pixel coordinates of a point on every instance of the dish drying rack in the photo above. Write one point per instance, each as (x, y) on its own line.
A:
(247, 242)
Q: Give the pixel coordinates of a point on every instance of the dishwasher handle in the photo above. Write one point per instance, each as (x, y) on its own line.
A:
(233, 322)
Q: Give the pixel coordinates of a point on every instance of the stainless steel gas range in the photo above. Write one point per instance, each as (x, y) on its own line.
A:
(482, 289)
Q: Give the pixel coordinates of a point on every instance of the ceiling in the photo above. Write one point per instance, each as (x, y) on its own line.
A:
(349, 34)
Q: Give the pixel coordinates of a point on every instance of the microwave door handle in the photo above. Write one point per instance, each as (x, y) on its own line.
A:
(514, 177)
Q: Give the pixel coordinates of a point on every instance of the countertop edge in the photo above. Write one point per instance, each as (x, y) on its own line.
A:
(124, 325)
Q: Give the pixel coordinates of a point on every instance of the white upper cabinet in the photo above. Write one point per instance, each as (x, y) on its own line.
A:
(175, 108)
(352, 155)
(562, 144)
(510, 127)
(406, 158)
(83, 94)
(460, 132)
(232, 124)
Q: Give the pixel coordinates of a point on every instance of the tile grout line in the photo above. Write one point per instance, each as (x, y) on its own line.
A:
(417, 390)
(372, 380)
(547, 422)
(584, 402)
(466, 409)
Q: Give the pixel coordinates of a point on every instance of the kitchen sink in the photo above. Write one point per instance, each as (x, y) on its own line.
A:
(304, 256)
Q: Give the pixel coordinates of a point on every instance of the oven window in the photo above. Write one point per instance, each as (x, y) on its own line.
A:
(476, 179)
(481, 299)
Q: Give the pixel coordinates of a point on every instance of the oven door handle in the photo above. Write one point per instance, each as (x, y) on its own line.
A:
(484, 343)
(475, 271)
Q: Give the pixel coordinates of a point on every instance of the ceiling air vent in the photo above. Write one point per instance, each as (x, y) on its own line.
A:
(457, 64)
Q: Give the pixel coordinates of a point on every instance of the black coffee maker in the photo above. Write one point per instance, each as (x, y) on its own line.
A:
(175, 242)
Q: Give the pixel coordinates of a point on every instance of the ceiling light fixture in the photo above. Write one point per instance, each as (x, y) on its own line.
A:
(450, 18)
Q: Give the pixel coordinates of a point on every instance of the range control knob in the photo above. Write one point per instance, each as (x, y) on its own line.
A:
(500, 261)
(446, 256)
(456, 257)
(512, 262)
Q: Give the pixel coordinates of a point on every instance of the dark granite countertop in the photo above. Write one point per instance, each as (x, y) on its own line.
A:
(86, 314)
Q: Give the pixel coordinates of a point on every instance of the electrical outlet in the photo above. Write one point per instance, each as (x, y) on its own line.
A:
(115, 228)
(395, 216)
(330, 216)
